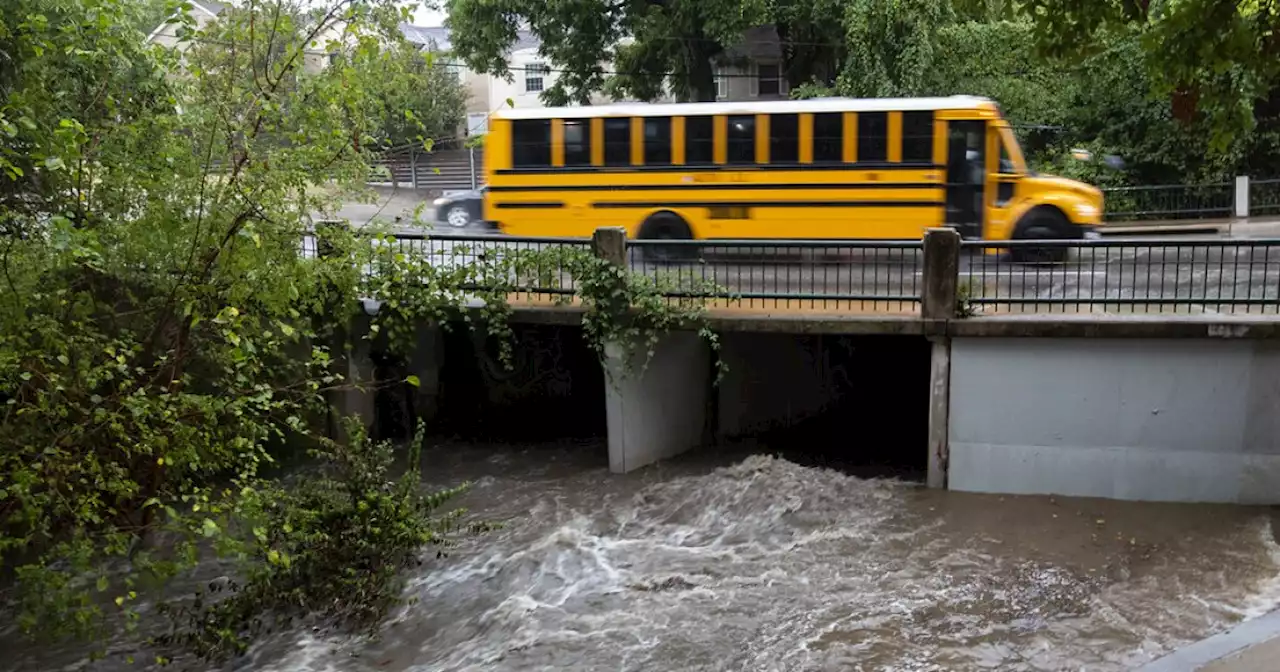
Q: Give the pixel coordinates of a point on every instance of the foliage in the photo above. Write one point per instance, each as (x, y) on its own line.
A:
(622, 307)
(420, 100)
(671, 43)
(156, 334)
(329, 548)
(892, 46)
(1218, 59)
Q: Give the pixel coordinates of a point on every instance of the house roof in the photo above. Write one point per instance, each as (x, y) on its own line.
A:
(438, 38)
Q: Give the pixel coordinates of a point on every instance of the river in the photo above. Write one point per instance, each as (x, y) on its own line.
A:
(733, 560)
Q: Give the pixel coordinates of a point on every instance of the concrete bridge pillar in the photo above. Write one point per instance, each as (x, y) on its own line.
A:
(352, 357)
(661, 411)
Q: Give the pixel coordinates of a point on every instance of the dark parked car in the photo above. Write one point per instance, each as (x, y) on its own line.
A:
(461, 210)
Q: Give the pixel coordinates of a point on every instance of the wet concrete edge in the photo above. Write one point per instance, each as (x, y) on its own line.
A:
(1244, 635)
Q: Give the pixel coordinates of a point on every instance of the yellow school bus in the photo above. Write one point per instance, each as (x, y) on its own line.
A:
(835, 168)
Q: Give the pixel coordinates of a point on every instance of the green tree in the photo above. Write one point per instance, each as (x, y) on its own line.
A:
(161, 337)
(670, 44)
(1215, 59)
(892, 46)
(420, 100)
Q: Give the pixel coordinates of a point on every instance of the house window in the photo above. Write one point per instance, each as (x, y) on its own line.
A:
(768, 79)
(722, 85)
(534, 77)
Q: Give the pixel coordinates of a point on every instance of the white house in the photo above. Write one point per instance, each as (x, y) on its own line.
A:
(205, 11)
(756, 73)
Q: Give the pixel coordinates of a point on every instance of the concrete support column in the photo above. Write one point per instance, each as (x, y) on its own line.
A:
(937, 307)
(353, 360)
(939, 411)
(661, 412)
(425, 364)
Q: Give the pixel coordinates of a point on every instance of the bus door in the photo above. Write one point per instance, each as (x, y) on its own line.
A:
(966, 176)
(1005, 166)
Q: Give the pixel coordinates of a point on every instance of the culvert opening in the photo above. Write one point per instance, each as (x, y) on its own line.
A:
(859, 404)
(552, 387)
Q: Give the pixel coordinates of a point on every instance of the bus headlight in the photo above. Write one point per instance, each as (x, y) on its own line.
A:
(1086, 211)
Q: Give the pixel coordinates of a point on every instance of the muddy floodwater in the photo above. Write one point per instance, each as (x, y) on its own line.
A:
(733, 560)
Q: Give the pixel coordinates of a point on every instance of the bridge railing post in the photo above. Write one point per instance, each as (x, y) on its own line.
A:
(941, 274)
(1241, 209)
(937, 306)
(610, 244)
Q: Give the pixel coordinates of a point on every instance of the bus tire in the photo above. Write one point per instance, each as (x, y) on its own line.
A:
(667, 226)
(1042, 223)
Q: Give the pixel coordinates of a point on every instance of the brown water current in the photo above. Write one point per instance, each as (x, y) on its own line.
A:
(729, 560)
(733, 561)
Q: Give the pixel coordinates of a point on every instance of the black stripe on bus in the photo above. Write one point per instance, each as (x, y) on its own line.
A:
(710, 168)
(767, 204)
(531, 205)
(720, 186)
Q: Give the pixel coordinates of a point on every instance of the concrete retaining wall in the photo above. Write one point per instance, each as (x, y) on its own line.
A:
(1142, 419)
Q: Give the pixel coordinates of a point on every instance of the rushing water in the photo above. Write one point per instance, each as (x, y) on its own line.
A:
(734, 561)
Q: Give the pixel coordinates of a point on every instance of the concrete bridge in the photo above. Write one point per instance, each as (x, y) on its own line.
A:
(1135, 369)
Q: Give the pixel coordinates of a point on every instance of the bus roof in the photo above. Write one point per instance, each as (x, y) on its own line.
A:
(749, 107)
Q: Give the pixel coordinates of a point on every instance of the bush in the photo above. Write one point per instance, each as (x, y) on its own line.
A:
(329, 548)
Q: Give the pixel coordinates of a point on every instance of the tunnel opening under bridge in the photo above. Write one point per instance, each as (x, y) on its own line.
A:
(858, 404)
(548, 387)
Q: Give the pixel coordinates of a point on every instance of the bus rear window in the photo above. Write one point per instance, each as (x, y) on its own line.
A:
(828, 137)
(699, 139)
(531, 143)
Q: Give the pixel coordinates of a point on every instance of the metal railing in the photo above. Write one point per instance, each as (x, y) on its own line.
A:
(1105, 277)
(520, 266)
(1114, 276)
(1169, 202)
(798, 275)
(1264, 198)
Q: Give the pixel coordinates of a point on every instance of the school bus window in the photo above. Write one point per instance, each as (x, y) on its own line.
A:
(577, 142)
(657, 141)
(531, 143)
(917, 137)
(1006, 161)
(699, 140)
(617, 142)
(873, 140)
(742, 139)
(828, 137)
(784, 138)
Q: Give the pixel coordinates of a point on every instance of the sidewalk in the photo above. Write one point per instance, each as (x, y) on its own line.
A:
(1251, 646)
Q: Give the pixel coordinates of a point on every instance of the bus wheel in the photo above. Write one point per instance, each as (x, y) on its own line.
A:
(667, 226)
(1043, 223)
